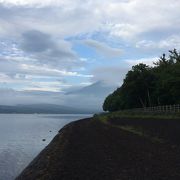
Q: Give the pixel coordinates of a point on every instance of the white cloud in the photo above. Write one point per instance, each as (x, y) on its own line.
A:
(169, 43)
(13, 97)
(51, 86)
(112, 75)
(103, 48)
(46, 71)
(39, 3)
(146, 44)
(23, 76)
(12, 68)
(134, 17)
(85, 83)
(148, 61)
(36, 37)
(46, 50)
(125, 19)
(59, 19)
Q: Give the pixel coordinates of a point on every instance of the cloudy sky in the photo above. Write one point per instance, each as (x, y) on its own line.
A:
(54, 46)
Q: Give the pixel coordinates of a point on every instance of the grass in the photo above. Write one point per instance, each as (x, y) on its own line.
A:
(140, 114)
(140, 131)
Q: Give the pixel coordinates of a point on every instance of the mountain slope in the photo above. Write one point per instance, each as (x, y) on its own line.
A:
(42, 108)
(96, 89)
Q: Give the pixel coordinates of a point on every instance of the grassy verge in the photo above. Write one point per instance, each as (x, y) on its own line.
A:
(136, 129)
(141, 114)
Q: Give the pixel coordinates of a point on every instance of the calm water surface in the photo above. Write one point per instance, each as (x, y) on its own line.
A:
(21, 139)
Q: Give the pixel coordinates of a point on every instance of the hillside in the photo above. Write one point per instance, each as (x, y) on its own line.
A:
(42, 108)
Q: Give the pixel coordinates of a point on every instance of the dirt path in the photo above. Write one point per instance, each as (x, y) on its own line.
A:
(90, 150)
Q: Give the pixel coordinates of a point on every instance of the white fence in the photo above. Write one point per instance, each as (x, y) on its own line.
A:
(166, 108)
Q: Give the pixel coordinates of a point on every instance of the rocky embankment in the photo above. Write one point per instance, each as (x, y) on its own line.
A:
(92, 150)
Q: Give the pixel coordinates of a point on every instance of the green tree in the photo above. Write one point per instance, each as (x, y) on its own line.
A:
(148, 86)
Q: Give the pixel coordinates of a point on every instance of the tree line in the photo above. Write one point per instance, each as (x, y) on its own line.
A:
(146, 86)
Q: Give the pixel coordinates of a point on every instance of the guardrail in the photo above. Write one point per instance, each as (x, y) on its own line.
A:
(165, 108)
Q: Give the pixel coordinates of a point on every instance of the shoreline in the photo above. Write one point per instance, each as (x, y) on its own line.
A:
(88, 149)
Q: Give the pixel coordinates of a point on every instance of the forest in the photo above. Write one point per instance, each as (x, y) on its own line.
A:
(146, 86)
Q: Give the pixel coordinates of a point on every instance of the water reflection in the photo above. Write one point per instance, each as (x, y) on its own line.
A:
(21, 139)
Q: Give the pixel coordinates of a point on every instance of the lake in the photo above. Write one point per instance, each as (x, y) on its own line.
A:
(21, 138)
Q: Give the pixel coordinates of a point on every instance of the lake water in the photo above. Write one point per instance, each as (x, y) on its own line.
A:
(21, 139)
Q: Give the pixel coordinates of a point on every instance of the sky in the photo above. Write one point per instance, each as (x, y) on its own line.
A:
(53, 47)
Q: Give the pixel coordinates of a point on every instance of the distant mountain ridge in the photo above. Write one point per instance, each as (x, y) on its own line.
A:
(42, 108)
(87, 99)
(96, 89)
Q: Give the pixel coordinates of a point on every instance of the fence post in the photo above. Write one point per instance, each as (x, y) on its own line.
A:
(165, 108)
(174, 108)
